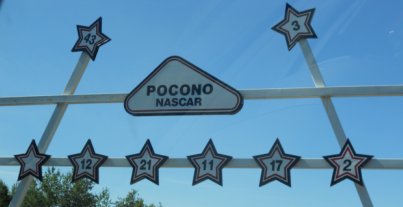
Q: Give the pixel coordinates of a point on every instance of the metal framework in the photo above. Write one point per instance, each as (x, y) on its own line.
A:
(320, 91)
(62, 101)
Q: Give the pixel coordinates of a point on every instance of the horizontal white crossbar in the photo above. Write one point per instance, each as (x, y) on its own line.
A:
(250, 94)
(384, 164)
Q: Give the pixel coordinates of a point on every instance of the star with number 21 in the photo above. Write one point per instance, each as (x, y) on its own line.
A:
(146, 164)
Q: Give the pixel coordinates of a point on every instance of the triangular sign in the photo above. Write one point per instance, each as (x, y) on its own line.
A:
(177, 87)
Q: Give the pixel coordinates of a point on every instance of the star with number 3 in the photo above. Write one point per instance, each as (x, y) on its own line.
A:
(276, 165)
(86, 164)
(31, 162)
(347, 164)
(90, 38)
(295, 25)
(208, 164)
(146, 164)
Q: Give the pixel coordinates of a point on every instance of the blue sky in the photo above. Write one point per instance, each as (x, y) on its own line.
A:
(359, 43)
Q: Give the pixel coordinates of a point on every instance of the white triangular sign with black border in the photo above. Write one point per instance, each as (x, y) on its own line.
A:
(177, 87)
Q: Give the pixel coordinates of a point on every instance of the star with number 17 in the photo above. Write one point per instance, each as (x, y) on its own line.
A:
(295, 25)
(146, 164)
(86, 164)
(276, 165)
(31, 162)
(347, 164)
(90, 38)
(208, 164)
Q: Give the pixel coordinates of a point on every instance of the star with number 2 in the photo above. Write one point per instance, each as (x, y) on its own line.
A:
(146, 164)
(90, 38)
(295, 25)
(208, 164)
(347, 164)
(31, 162)
(86, 164)
(276, 165)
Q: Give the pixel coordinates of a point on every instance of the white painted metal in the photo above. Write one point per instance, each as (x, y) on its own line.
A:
(52, 126)
(323, 92)
(249, 94)
(303, 163)
(331, 112)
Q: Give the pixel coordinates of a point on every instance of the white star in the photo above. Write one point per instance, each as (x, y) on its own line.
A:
(90, 38)
(31, 162)
(347, 164)
(295, 25)
(208, 164)
(146, 164)
(276, 165)
(87, 163)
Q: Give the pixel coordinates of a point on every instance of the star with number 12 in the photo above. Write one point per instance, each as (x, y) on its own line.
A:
(86, 164)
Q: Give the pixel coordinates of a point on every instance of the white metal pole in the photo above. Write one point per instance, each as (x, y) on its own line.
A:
(52, 126)
(248, 94)
(331, 112)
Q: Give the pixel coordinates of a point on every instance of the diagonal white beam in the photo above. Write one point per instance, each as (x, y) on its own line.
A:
(52, 126)
(331, 112)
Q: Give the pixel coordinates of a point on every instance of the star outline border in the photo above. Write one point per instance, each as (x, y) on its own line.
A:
(162, 159)
(88, 146)
(45, 157)
(335, 167)
(295, 159)
(226, 159)
(104, 39)
(289, 9)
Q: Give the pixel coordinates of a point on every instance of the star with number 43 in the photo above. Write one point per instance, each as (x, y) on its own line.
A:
(347, 164)
(208, 164)
(86, 164)
(90, 38)
(146, 164)
(295, 25)
(276, 165)
(31, 162)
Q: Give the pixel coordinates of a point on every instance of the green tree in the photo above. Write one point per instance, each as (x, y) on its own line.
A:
(5, 197)
(57, 190)
(132, 199)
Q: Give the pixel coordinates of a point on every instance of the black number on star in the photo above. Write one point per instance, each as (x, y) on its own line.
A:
(273, 165)
(295, 25)
(205, 164)
(144, 163)
(348, 164)
(88, 166)
(90, 38)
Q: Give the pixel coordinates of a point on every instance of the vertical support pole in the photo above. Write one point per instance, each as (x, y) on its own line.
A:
(52, 126)
(331, 113)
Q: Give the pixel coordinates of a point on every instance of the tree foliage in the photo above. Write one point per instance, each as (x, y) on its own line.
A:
(5, 197)
(57, 190)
